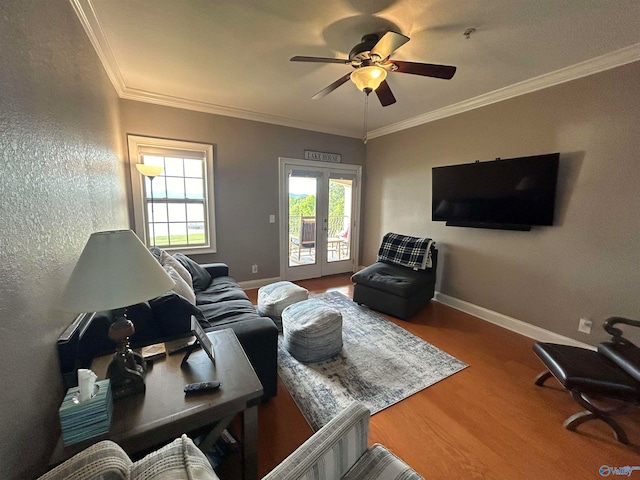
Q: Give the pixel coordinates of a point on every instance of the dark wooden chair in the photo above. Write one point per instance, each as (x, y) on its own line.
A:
(605, 382)
(306, 236)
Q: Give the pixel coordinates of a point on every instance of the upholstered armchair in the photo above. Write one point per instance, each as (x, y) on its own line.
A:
(180, 460)
(339, 450)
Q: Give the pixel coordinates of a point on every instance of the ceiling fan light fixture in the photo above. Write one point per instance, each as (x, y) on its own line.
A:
(368, 78)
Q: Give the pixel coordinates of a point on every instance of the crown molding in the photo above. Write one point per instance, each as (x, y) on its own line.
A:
(599, 64)
(86, 14)
(205, 107)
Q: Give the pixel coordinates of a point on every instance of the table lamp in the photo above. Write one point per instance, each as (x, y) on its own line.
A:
(116, 270)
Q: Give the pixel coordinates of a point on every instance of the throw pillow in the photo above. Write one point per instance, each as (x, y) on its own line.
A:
(180, 287)
(156, 252)
(201, 278)
(167, 260)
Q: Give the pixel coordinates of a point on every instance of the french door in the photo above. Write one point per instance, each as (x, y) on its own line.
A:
(319, 213)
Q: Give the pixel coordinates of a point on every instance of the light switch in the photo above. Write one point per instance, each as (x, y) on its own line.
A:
(272, 219)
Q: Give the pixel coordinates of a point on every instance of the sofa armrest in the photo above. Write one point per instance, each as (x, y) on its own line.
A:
(349, 430)
(380, 463)
(259, 339)
(103, 460)
(172, 314)
(216, 269)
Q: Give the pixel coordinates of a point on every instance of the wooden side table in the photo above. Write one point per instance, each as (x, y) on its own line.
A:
(143, 422)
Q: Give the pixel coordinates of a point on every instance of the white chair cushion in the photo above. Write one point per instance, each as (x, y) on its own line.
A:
(274, 298)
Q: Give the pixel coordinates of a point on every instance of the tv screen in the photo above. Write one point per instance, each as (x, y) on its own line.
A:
(511, 194)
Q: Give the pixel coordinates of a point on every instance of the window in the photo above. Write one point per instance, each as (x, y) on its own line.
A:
(173, 210)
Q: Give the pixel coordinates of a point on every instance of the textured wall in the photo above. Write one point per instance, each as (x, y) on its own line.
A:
(246, 175)
(587, 265)
(61, 178)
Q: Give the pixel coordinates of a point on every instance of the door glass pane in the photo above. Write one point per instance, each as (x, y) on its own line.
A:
(338, 235)
(303, 192)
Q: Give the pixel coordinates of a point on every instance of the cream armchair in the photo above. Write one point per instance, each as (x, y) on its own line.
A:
(339, 450)
(180, 460)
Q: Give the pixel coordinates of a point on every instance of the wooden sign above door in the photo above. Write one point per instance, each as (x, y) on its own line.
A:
(322, 156)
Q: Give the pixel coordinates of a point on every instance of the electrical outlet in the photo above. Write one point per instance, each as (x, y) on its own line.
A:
(254, 268)
(585, 325)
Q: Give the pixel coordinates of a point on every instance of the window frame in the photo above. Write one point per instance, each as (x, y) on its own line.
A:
(136, 143)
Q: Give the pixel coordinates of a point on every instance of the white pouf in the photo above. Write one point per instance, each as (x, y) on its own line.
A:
(274, 298)
(312, 331)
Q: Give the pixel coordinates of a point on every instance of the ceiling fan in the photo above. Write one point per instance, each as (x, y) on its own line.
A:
(370, 59)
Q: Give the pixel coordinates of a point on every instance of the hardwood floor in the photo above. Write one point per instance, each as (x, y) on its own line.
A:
(488, 421)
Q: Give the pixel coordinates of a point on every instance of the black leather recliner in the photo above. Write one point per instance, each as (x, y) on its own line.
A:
(611, 372)
(394, 289)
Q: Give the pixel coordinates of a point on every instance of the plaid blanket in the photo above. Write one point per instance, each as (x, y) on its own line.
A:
(412, 252)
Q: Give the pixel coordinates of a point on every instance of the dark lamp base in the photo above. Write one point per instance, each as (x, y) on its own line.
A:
(127, 368)
(124, 381)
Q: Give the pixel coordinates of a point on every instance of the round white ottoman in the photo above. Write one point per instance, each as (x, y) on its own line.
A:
(274, 298)
(312, 331)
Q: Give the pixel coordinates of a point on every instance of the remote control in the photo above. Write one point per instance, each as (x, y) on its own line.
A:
(201, 386)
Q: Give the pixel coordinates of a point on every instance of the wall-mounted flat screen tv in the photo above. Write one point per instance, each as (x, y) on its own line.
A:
(511, 194)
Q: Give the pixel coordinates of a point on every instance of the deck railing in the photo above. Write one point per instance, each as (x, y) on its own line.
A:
(337, 224)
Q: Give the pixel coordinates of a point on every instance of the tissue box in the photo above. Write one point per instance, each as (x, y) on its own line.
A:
(83, 420)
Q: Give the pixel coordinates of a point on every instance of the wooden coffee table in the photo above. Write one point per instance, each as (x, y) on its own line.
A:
(163, 413)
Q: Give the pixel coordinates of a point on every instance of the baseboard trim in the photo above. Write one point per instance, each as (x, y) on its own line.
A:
(250, 284)
(504, 321)
(513, 324)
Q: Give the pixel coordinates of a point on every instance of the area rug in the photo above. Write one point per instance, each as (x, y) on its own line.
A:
(380, 364)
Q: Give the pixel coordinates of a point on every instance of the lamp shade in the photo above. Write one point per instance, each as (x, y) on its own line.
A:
(115, 270)
(368, 77)
(149, 170)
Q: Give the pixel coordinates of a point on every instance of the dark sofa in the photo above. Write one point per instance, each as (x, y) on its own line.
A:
(220, 303)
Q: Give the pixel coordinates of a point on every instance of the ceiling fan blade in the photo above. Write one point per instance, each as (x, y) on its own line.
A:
(332, 87)
(388, 44)
(319, 60)
(384, 94)
(425, 69)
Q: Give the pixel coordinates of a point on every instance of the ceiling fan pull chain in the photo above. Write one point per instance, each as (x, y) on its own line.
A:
(366, 110)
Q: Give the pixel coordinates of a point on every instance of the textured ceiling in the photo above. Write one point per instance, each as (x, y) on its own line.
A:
(232, 57)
